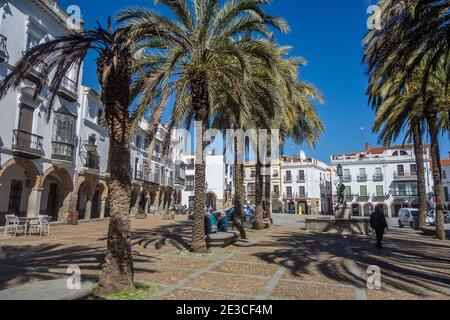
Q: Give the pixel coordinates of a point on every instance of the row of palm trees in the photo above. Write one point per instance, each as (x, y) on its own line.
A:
(409, 72)
(218, 62)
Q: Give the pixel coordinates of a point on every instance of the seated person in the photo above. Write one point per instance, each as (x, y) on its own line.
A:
(222, 225)
(210, 224)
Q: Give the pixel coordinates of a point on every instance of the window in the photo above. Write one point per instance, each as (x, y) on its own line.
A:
(302, 191)
(446, 194)
(413, 169)
(400, 170)
(276, 189)
(275, 173)
(414, 189)
(380, 191)
(362, 171)
(190, 183)
(64, 127)
(289, 191)
(444, 174)
(32, 41)
(157, 149)
(301, 175)
(401, 189)
(363, 191)
(346, 172)
(348, 191)
(139, 142)
(288, 176)
(378, 171)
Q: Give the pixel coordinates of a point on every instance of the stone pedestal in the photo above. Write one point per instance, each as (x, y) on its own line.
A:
(342, 212)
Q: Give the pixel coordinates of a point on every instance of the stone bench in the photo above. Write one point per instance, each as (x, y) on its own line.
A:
(221, 239)
(429, 231)
(47, 290)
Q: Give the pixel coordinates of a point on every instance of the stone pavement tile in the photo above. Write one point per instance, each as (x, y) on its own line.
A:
(229, 283)
(395, 295)
(185, 263)
(327, 273)
(308, 291)
(158, 276)
(245, 257)
(187, 294)
(152, 250)
(247, 269)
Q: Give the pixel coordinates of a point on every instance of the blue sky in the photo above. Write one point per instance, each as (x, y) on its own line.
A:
(329, 35)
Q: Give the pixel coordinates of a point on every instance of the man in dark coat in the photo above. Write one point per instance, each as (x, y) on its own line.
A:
(379, 224)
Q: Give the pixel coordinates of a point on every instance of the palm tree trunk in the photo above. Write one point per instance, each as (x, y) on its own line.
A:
(117, 274)
(268, 196)
(418, 151)
(239, 191)
(200, 103)
(259, 210)
(437, 175)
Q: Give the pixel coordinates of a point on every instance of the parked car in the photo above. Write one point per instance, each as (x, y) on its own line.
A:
(446, 215)
(410, 217)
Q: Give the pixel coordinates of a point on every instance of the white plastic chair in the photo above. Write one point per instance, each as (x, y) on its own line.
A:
(13, 223)
(41, 223)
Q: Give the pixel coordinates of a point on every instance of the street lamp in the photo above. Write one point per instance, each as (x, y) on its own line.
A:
(340, 171)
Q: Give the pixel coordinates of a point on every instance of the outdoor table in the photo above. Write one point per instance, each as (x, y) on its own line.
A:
(27, 221)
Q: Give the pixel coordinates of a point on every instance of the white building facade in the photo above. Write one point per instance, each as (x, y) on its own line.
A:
(446, 181)
(38, 146)
(385, 177)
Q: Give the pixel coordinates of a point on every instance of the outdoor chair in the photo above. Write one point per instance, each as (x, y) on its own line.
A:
(40, 224)
(13, 224)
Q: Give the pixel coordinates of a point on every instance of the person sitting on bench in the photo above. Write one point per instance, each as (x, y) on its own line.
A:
(222, 225)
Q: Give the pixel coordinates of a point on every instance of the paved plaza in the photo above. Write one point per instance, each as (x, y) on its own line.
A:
(282, 263)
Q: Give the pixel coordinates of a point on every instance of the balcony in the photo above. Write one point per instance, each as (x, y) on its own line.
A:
(68, 90)
(275, 195)
(362, 178)
(92, 161)
(37, 71)
(405, 176)
(287, 179)
(405, 194)
(347, 178)
(378, 177)
(3, 49)
(301, 196)
(301, 179)
(288, 196)
(155, 178)
(27, 145)
(180, 181)
(63, 151)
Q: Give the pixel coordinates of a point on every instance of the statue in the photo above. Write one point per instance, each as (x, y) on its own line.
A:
(340, 194)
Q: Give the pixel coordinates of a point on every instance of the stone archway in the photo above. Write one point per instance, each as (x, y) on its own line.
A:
(211, 201)
(57, 188)
(20, 188)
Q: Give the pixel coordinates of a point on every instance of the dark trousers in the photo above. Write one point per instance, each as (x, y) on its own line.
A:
(380, 234)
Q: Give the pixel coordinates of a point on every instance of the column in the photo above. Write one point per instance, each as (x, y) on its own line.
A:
(102, 209)
(34, 203)
(87, 215)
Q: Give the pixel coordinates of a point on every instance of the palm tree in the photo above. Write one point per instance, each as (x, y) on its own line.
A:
(413, 33)
(411, 51)
(114, 70)
(394, 114)
(399, 107)
(194, 50)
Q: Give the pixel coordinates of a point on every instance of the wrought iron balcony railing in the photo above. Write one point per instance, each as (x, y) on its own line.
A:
(27, 144)
(63, 151)
(362, 178)
(68, 89)
(92, 161)
(378, 177)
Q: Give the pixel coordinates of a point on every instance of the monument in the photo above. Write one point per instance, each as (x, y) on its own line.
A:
(342, 222)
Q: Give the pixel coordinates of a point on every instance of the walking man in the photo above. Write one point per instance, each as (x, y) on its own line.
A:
(379, 224)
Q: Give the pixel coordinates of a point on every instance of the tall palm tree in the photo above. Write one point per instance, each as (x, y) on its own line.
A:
(195, 49)
(115, 68)
(414, 33)
(399, 107)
